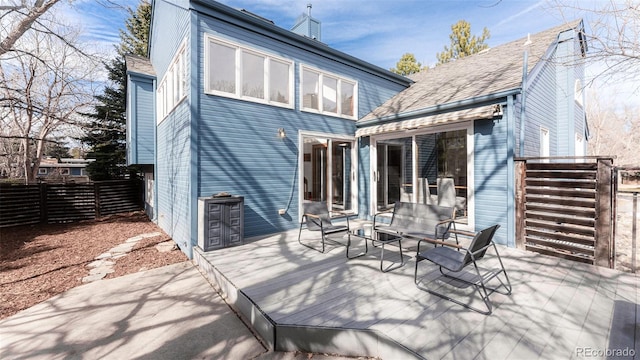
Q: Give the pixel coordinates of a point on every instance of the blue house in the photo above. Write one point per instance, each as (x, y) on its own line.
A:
(229, 102)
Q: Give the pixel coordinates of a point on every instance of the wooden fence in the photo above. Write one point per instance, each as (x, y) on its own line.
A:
(56, 203)
(564, 209)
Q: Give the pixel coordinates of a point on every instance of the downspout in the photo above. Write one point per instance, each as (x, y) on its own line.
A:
(523, 106)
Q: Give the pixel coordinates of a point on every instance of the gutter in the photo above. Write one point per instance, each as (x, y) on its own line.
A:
(432, 110)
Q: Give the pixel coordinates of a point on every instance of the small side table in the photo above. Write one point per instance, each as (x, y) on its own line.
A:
(376, 236)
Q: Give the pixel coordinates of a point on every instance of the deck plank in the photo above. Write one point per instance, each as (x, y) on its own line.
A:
(556, 305)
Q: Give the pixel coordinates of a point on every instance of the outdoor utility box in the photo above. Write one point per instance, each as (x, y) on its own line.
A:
(220, 222)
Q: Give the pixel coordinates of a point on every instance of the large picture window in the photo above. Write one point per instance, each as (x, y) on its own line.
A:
(328, 94)
(236, 71)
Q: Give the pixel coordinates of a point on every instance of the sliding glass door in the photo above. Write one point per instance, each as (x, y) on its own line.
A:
(428, 167)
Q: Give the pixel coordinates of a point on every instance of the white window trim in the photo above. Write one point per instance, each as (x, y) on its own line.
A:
(238, 73)
(43, 171)
(373, 165)
(354, 160)
(174, 80)
(340, 79)
(545, 143)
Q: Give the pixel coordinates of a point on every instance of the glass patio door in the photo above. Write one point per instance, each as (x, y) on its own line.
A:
(328, 172)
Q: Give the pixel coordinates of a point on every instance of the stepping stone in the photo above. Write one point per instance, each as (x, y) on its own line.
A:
(94, 277)
(99, 263)
(122, 248)
(103, 256)
(148, 235)
(104, 270)
(166, 246)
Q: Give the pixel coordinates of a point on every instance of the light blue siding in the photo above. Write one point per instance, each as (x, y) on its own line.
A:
(565, 94)
(169, 29)
(491, 178)
(541, 108)
(173, 177)
(551, 100)
(238, 150)
(141, 121)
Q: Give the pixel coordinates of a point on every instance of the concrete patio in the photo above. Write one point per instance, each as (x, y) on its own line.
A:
(298, 298)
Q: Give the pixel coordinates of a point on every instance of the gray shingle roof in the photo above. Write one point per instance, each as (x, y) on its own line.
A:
(488, 72)
(140, 65)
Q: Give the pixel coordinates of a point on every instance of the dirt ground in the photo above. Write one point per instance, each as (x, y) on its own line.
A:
(38, 262)
(624, 246)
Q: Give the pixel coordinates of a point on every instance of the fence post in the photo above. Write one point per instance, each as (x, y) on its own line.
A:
(604, 196)
(520, 172)
(634, 232)
(44, 211)
(96, 192)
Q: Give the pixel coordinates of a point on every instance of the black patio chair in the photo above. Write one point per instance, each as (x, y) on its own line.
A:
(316, 217)
(455, 261)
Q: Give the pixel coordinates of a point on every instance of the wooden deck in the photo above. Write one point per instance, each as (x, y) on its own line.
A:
(300, 299)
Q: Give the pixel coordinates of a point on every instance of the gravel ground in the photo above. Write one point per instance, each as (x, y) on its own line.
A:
(38, 262)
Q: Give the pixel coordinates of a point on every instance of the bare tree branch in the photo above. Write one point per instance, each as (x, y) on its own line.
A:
(39, 8)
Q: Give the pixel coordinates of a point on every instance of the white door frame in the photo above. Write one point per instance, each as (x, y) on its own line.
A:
(353, 176)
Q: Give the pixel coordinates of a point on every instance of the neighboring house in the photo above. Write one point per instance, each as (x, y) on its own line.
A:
(66, 169)
(229, 102)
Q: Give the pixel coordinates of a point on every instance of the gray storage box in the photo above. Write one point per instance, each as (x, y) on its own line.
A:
(220, 222)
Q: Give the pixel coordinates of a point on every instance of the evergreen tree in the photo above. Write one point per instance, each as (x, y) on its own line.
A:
(408, 65)
(57, 150)
(107, 133)
(462, 43)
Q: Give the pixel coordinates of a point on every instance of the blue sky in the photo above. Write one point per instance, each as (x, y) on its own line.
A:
(380, 31)
(377, 31)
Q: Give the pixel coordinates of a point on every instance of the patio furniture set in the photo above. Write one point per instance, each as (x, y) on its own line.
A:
(428, 224)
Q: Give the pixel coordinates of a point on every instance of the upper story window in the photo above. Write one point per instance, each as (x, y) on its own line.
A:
(328, 94)
(236, 71)
(173, 87)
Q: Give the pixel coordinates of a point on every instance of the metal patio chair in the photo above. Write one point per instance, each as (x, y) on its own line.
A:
(316, 217)
(454, 258)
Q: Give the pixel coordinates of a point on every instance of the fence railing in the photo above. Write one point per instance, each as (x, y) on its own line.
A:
(564, 209)
(56, 203)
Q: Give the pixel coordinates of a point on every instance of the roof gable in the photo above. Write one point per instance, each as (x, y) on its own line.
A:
(489, 72)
